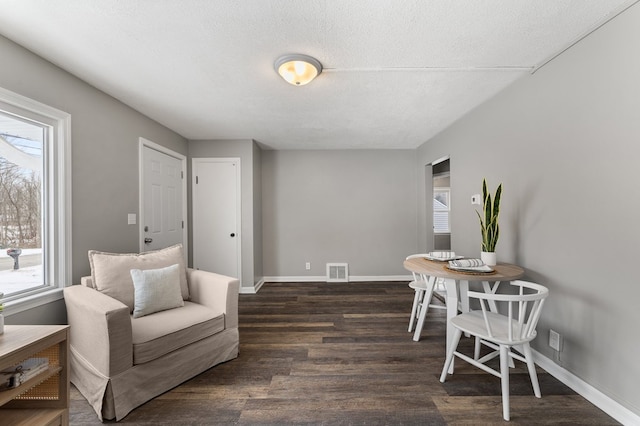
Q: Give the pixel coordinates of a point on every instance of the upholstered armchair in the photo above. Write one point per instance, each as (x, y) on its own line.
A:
(143, 323)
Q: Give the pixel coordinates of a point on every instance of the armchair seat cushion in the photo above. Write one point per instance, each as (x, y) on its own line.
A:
(163, 332)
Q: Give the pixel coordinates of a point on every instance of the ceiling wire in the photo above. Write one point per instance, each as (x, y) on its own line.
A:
(584, 35)
(434, 69)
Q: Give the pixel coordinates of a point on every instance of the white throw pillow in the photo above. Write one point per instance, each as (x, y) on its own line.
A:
(156, 290)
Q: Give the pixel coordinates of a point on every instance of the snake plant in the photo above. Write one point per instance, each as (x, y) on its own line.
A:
(489, 219)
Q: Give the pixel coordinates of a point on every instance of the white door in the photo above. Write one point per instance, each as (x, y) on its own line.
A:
(216, 215)
(162, 202)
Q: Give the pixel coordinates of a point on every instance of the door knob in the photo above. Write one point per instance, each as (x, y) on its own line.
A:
(233, 234)
(148, 240)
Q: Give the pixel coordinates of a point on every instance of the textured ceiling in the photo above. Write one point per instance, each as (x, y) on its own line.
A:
(396, 72)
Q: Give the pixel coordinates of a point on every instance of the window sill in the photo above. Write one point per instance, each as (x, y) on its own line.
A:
(32, 301)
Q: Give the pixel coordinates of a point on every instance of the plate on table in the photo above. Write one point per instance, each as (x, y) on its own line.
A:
(443, 259)
(484, 269)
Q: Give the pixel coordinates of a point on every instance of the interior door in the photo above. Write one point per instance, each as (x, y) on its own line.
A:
(216, 215)
(162, 200)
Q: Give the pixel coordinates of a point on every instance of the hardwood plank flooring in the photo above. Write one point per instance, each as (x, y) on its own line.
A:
(340, 354)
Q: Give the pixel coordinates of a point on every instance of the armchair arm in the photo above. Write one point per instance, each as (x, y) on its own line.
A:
(87, 282)
(100, 329)
(216, 291)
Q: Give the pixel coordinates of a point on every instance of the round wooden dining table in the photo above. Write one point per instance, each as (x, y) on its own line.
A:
(457, 284)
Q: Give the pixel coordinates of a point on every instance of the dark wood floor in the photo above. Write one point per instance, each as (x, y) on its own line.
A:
(340, 354)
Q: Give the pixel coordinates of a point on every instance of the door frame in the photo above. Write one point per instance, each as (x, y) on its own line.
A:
(428, 202)
(239, 230)
(145, 143)
(433, 190)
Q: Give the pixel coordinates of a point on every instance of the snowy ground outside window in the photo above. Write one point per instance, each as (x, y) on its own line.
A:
(29, 275)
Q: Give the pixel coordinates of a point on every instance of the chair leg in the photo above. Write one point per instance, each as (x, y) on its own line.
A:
(454, 345)
(532, 369)
(414, 308)
(424, 307)
(504, 376)
(476, 349)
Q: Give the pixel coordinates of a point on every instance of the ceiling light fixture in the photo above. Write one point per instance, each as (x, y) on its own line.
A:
(297, 69)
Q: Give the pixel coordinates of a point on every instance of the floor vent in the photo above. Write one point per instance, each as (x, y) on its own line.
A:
(337, 272)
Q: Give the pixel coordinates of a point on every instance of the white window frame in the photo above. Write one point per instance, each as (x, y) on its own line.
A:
(447, 209)
(57, 199)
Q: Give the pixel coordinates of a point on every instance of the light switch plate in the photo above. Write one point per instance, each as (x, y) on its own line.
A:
(131, 218)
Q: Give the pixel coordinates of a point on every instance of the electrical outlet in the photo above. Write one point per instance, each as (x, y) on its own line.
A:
(554, 340)
(307, 266)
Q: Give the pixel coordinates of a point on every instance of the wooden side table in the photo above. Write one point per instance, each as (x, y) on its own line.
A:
(43, 399)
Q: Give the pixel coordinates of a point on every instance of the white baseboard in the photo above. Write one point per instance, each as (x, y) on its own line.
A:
(323, 278)
(591, 394)
(252, 290)
(363, 278)
(259, 285)
(304, 279)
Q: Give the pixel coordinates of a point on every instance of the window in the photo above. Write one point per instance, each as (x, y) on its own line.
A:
(441, 210)
(35, 196)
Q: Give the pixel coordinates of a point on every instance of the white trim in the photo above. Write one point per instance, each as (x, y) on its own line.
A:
(32, 301)
(591, 394)
(291, 279)
(64, 131)
(252, 290)
(59, 204)
(142, 143)
(323, 278)
(440, 160)
(362, 278)
(258, 285)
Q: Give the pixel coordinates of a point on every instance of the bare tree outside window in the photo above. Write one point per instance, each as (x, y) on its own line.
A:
(21, 148)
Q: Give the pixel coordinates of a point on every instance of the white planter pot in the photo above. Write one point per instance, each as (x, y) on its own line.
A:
(488, 257)
(1, 324)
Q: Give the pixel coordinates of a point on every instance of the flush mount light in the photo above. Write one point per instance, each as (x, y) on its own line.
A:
(297, 69)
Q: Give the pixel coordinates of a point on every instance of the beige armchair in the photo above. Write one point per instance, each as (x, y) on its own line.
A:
(118, 362)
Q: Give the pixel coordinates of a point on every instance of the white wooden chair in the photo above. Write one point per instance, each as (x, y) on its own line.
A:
(423, 287)
(514, 329)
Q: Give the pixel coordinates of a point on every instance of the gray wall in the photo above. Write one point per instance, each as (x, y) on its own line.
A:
(104, 135)
(257, 214)
(249, 154)
(565, 144)
(357, 207)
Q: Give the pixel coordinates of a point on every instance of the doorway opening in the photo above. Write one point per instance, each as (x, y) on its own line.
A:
(441, 205)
